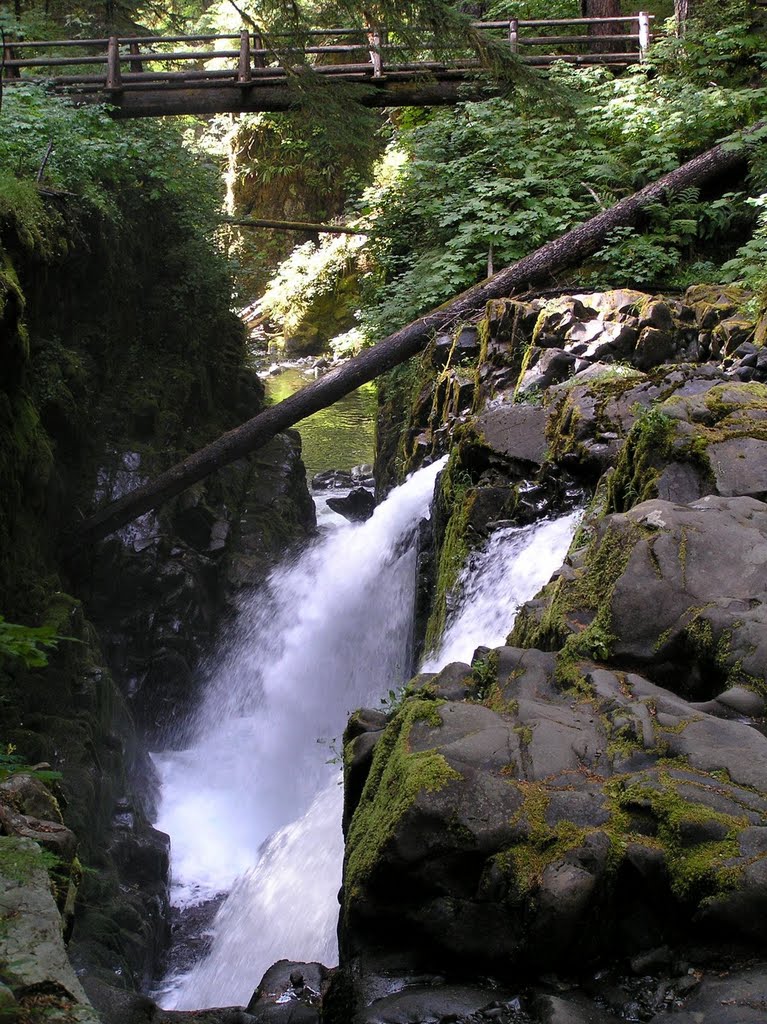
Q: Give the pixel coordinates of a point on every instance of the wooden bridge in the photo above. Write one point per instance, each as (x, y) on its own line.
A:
(150, 76)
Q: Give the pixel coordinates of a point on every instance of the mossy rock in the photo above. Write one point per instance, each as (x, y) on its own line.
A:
(31, 943)
(703, 438)
(675, 589)
(570, 825)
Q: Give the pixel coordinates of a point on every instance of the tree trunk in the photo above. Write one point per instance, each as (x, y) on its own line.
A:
(681, 14)
(292, 225)
(396, 348)
(604, 9)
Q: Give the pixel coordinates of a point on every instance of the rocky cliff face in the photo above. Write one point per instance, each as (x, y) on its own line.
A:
(580, 815)
(105, 384)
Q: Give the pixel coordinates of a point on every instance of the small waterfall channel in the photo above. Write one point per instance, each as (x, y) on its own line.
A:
(253, 805)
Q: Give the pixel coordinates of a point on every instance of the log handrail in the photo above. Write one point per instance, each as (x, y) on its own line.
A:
(250, 45)
(206, 74)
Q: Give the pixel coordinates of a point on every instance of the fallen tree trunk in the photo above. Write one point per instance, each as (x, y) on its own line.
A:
(404, 343)
(292, 225)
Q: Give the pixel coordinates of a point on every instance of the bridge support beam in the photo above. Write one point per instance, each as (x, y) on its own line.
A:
(244, 97)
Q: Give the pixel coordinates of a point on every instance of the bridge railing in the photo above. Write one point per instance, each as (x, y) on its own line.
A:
(119, 63)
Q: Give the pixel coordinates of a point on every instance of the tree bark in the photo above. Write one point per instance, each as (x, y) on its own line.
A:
(293, 225)
(534, 269)
(604, 9)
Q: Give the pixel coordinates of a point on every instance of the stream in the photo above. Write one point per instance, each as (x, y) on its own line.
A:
(253, 805)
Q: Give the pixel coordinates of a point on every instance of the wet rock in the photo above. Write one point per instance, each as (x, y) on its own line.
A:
(289, 993)
(657, 314)
(363, 475)
(569, 1009)
(730, 997)
(357, 506)
(31, 944)
(515, 431)
(740, 466)
(457, 1004)
(28, 795)
(486, 833)
(466, 344)
(713, 303)
(686, 596)
(440, 353)
(553, 366)
(332, 479)
(653, 347)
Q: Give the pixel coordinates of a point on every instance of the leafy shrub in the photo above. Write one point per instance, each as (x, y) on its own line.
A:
(28, 643)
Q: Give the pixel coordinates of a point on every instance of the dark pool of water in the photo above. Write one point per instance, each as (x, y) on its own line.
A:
(339, 437)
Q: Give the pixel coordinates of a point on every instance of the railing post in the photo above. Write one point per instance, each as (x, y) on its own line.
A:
(259, 59)
(243, 74)
(374, 44)
(135, 65)
(8, 54)
(514, 35)
(644, 34)
(114, 77)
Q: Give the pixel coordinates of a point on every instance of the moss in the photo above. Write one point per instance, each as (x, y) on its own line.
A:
(21, 858)
(589, 594)
(524, 863)
(562, 431)
(397, 776)
(697, 871)
(496, 701)
(404, 403)
(504, 329)
(525, 734)
(456, 498)
(715, 652)
(722, 413)
(641, 460)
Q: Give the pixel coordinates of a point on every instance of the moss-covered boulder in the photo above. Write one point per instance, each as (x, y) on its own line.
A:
(675, 590)
(33, 961)
(703, 436)
(537, 826)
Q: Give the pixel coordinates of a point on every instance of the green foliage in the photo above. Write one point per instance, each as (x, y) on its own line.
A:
(98, 158)
(513, 175)
(722, 44)
(391, 703)
(749, 266)
(12, 764)
(310, 272)
(29, 643)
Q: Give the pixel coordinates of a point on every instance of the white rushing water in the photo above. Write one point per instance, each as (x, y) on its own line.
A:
(253, 807)
(509, 570)
(328, 633)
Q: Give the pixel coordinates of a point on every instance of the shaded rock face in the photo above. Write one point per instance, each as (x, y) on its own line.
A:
(357, 506)
(536, 827)
(677, 590)
(38, 978)
(158, 590)
(93, 403)
(72, 716)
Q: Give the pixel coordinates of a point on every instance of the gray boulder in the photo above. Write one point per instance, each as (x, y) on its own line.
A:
(535, 827)
(32, 954)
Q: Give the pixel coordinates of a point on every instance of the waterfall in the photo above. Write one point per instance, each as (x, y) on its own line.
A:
(511, 568)
(254, 807)
(329, 632)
